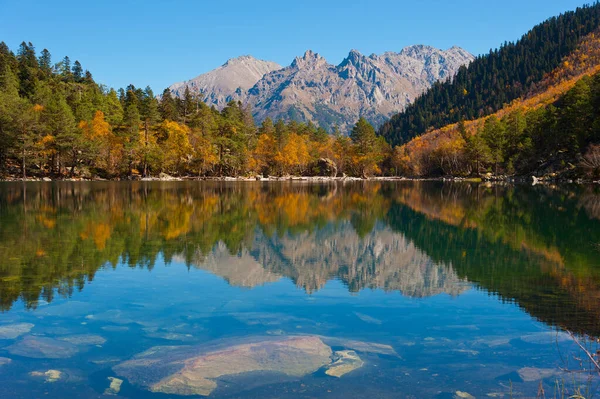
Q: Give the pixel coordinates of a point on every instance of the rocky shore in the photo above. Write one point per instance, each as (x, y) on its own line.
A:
(489, 178)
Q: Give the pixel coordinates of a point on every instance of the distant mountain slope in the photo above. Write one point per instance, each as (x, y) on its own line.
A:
(495, 79)
(373, 87)
(311, 89)
(228, 82)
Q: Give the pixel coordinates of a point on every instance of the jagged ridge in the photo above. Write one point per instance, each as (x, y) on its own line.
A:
(311, 89)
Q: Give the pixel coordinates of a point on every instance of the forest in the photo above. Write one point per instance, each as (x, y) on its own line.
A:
(56, 121)
(554, 134)
(526, 109)
(510, 72)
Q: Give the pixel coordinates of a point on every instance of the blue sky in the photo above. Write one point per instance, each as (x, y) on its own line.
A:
(157, 43)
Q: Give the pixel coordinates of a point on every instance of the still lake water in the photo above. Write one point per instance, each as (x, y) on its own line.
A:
(250, 290)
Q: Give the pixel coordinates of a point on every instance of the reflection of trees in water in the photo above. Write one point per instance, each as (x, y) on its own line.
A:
(57, 236)
(533, 245)
(530, 245)
(590, 201)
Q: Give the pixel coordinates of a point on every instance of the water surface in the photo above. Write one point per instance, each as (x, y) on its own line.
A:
(470, 288)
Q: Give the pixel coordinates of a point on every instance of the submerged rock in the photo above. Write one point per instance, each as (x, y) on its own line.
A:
(115, 328)
(115, 386)
(463, 395)
(545, 338)
(84, 339)
(190, 371)
(48, 376)
(360, 346)
(344, 362)
(43, 348)
(529, 374)
(4, 361)
(170, 336)
(13, 331)
(367, 319)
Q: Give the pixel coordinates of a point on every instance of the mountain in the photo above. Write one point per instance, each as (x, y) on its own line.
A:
(228, 82)
(311, 89)
(495, 79)
(373, 87)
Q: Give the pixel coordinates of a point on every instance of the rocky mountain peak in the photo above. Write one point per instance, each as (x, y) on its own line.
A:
(354, 57)
(240, 60)
(310, 59)
(310, 89)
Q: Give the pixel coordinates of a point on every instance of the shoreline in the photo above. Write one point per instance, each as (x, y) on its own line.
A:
(323, 179)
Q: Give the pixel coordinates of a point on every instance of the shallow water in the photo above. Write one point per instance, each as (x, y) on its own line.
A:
(467, 289)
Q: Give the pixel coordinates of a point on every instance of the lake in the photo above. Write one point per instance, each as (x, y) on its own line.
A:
(281, 290)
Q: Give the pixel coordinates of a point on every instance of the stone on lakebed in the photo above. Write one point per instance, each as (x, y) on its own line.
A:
(196, 370)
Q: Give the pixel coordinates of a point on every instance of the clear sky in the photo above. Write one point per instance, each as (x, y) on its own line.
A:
(157, 43)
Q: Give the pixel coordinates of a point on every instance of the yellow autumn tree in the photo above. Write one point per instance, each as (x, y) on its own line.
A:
(177, 148)
(263, 156)
(104, 146)
(205, 153)
(294, 155)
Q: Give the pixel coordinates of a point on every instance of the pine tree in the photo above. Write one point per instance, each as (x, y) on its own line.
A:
(65, 69)
(168, 106)
(28, 66)
(77, 71)
(46, 62)
(494, 134)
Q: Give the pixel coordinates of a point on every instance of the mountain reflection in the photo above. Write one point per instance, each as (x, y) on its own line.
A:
(535, 246)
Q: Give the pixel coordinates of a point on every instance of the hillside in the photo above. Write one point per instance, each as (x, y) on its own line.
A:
(547, 131)
(495, 79)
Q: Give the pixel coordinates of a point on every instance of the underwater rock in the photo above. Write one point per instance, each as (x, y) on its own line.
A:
(529, 374)
(544, 338)
(115, 328)
(360, 346)
(112, 316)
(42, 348)
(344, 362)
(49, 376)
(4, 361)
(84, 339)
(13, 331)
(170, 336)
(115, 386)
(106, 360)
(194, 371)
(368, 319)
(463, 395)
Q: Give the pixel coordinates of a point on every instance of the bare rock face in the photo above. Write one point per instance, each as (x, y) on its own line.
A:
(311, 89)
(186, 371)
(228, 82)
(374, 87)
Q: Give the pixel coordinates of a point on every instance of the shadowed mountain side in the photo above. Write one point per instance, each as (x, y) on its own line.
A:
(381, 259)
